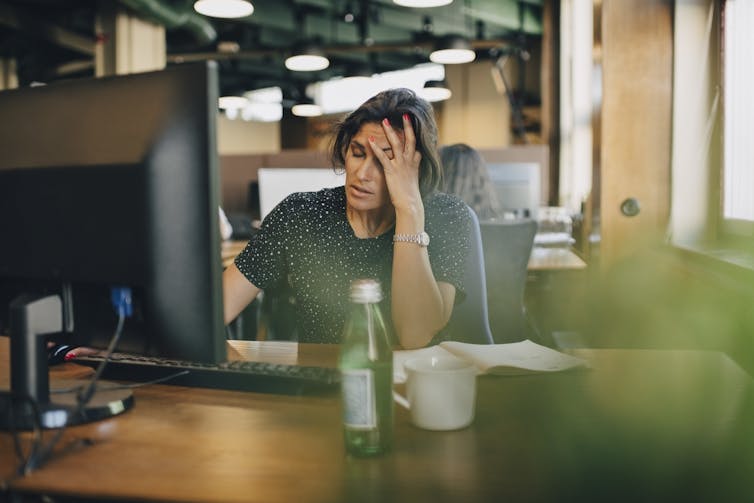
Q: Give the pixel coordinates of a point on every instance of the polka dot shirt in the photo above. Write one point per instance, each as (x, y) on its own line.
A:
(308, 240)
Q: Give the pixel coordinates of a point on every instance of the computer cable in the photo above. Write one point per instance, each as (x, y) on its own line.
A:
(123, 386)
(36, 426)
(121, 299)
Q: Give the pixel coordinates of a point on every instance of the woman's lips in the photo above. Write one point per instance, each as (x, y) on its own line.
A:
(359, 191)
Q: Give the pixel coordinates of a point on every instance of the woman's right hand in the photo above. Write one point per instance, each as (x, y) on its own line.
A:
(402, 169)
(59, 353)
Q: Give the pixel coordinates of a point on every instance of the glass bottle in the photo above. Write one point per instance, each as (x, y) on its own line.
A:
(366, 365)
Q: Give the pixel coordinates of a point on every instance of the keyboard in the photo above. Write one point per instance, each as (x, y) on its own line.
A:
(263, 377)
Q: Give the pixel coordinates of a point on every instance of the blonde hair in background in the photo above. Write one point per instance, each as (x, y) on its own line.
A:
(465, 175)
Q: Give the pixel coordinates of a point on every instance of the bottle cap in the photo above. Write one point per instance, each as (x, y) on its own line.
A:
(366, 291)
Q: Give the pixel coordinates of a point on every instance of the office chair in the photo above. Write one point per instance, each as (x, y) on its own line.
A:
(507, 245)
(469, 321)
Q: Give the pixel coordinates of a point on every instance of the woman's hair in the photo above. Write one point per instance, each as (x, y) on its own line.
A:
(465, 175)
(392, 104)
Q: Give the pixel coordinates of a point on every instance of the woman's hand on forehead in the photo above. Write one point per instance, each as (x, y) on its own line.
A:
(402, 168)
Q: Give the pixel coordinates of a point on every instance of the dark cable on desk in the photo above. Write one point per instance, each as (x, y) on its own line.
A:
(121, 299)
(36, 427)
(125, 386)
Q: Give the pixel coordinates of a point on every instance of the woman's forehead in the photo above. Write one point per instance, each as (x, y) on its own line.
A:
(373, 129)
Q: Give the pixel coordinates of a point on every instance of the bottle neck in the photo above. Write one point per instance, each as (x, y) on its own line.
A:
(367, 326)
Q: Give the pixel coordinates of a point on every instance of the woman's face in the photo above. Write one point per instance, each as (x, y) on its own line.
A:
(365, 180)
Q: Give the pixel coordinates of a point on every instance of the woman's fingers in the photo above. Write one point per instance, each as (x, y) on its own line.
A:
(410, 137)
(379, 153)
(81, 351)
(403, 145)
(392, 137)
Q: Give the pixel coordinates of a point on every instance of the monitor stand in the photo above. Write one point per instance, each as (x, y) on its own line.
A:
(30, 404)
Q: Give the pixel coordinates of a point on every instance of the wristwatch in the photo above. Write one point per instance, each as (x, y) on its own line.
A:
(422, 239)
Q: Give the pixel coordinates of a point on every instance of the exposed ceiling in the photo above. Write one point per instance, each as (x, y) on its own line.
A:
(54, 39)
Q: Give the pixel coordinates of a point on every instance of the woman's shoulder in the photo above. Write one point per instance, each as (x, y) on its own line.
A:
(442, 204)
(447, 217)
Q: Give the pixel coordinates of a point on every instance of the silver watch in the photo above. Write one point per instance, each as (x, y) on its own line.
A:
(421, 239)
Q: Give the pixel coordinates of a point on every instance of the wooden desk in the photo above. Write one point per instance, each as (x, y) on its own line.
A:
(554, 259)
(640, 426)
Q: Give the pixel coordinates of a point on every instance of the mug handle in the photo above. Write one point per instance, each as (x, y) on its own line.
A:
(401, 400)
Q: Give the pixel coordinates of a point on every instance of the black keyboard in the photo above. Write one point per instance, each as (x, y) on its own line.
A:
(261, 377)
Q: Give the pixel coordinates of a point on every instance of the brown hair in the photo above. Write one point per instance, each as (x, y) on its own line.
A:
(392, 104)
(465, 175)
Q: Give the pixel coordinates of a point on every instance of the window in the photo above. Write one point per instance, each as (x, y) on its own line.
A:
(738, 113)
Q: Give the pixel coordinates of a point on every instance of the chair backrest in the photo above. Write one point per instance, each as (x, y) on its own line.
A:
(469, 322)
(507, 245)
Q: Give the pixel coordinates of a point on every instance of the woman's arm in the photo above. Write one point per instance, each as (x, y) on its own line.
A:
(238, 292)
(421, 306)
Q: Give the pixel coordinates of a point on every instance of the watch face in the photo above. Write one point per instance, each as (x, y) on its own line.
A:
(424, 237)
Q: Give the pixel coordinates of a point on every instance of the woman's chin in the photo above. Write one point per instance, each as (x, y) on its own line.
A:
(363, 203)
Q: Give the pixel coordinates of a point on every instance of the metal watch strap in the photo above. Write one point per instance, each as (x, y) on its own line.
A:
(421, 238)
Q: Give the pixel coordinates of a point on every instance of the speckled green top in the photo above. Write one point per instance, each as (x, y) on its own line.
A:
(308, 239)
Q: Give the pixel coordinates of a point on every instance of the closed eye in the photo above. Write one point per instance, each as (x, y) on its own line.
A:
(357, 150)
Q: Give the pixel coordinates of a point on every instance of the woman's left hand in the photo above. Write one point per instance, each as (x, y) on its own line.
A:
(402, 170)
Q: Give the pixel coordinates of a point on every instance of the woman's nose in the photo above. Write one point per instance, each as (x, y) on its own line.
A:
(365, 168)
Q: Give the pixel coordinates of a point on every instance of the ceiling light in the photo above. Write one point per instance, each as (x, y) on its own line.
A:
(265, 95)
(452, 50)
(224, 8)
(435, 90)
(422, 3)
(306, 110)
(307, 58)
(346, 94)
(232, 102)
(262, 112)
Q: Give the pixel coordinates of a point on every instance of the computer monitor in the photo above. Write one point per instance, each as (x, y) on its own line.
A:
(517, 186)
(114, 182)
(275, 184)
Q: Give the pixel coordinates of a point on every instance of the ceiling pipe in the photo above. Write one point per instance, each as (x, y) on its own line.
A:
(329, 49)
(173, 18)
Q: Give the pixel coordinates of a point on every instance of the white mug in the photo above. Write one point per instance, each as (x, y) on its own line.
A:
(441, 392)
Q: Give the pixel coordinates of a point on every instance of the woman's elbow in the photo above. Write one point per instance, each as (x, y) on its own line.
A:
(415, 337)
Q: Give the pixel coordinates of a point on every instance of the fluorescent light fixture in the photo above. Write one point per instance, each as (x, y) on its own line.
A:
(306, 110)
(421, 4)
(224, 8)
(307, 58)
(262, 112)
(232, 102)
(265, 95)
(434, 90)
(452, 50)
(346, 94)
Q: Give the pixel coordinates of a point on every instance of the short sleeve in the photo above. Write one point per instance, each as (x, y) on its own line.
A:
(448, 225)
(263, 259)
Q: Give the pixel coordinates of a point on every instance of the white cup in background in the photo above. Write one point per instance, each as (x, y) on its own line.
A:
(441, 392)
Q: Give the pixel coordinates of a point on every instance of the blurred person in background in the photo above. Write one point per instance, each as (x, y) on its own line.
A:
(465, 175)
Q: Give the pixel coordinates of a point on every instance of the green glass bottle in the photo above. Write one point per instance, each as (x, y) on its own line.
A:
(366, 365)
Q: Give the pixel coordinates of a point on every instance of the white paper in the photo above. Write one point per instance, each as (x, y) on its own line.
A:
(514, 358)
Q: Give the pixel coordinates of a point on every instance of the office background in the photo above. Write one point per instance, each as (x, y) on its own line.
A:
(608, 96)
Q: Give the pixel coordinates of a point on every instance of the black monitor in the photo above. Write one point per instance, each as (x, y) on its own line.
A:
(114, 182)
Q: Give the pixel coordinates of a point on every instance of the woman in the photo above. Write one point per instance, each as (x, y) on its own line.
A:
(465, 175)
(377, 226)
